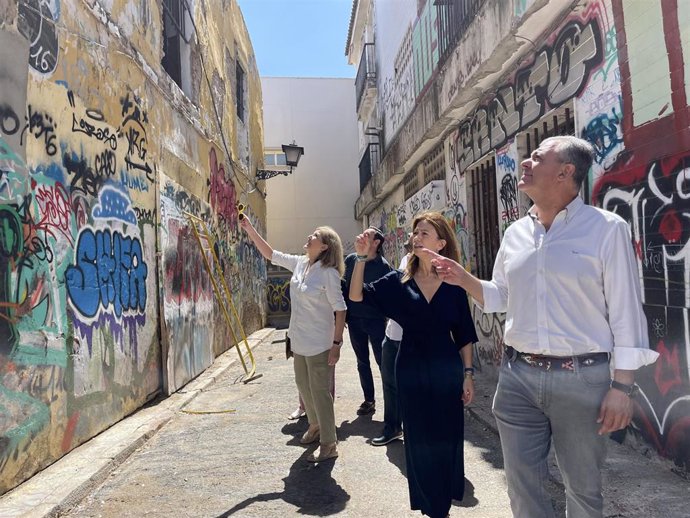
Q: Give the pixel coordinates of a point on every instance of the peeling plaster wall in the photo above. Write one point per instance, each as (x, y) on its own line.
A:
(103, 298)
(394, 22)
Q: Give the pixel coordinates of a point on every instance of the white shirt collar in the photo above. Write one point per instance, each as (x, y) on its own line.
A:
(568, 212)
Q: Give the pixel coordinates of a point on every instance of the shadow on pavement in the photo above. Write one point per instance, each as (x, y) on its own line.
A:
(485, 439)
(362, 426)
(468, 499)
(309, 487)
(395, 451)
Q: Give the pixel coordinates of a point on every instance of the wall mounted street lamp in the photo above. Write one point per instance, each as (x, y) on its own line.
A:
(293, 153)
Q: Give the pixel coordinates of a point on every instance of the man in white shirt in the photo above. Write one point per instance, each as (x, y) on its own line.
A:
(567, 278)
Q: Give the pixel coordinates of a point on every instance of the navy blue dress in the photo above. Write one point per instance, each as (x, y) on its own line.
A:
(429, 374)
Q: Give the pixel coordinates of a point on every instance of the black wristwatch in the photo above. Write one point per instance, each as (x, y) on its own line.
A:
(338, 343)
(629, 390)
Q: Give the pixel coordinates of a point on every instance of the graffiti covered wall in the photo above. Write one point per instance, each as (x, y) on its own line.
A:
(621, 68)
(100, 156)
(647, 182)
(188, 307)
(79, 327)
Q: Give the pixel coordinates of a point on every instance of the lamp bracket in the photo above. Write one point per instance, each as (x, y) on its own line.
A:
(265, 174)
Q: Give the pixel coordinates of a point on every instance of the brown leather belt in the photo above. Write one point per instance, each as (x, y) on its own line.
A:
(564, 363)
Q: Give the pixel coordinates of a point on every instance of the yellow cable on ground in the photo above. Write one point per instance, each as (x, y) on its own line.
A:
(228, 411)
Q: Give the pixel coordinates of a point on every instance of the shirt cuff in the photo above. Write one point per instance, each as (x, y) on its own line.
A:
(493, 301)
(632, 358)
(339, 306)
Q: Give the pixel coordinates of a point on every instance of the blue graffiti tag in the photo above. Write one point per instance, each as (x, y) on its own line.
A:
(602, 132)
(506, 162)
(109, 270)
(113, 203)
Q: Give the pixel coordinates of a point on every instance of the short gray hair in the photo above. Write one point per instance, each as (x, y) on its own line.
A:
(576, 151)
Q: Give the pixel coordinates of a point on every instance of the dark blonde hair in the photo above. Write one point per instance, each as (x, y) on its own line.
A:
(444, 231)
(332, 257)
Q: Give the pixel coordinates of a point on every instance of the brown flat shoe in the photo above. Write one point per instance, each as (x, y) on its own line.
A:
(324, 452)
(310, 436)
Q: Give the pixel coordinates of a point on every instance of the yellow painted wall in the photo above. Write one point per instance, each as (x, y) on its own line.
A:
(104, 301)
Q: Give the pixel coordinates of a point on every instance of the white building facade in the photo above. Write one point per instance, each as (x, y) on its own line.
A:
(317, 114)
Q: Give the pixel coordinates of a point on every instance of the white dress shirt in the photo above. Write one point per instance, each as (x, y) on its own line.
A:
(572, 290)
(393, 329)
(315, 294)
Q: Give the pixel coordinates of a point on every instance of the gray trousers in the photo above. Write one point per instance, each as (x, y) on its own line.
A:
(534, 408)
(313, 378)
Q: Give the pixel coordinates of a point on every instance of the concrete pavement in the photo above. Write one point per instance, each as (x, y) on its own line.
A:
(64, 483)
(222, 448)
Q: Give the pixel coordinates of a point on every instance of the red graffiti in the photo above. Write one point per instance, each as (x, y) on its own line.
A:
(185, 273)
(81, 211)
(670, 227)
(667, 368)
(222, 191)
(69, 432)
(55, 210)
(637, 245)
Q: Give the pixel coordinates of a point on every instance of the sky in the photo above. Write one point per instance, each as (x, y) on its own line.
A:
(299, 38)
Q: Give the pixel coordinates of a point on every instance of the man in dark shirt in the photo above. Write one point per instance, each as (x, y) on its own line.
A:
(366, 323)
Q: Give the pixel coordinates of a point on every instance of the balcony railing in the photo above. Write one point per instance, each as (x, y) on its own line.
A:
(366, 74)
(454, 17)
(368, 165)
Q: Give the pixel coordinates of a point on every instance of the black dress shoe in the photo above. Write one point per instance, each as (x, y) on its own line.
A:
(367, 407)
(385, 439)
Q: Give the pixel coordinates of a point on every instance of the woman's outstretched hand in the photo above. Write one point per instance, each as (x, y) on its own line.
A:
(245, 224)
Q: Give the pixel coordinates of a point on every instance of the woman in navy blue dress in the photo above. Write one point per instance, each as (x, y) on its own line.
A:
(434, 365)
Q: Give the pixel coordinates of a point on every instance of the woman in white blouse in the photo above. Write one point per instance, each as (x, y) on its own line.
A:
(316, 337)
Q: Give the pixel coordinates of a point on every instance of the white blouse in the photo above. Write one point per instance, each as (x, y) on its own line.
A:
(315, 293)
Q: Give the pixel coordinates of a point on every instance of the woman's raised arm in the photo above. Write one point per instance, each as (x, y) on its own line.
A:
(357, 280)
(258, 241)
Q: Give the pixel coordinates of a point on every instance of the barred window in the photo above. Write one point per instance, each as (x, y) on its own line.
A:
(175, 42)
(484, 213)
(411, 184)
(558, 122)
(435, 165)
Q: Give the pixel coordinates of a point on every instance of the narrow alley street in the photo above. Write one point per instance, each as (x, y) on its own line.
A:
(249, 463)
(220, 448)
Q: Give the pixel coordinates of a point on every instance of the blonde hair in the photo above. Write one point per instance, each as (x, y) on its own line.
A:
(332, 257)
(444, 231)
